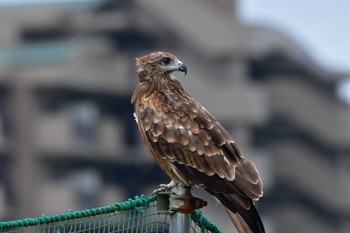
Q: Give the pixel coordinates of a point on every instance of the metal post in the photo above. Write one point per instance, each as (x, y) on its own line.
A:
(179, 222)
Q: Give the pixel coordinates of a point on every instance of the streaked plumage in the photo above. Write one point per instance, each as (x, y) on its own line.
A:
(190, 144)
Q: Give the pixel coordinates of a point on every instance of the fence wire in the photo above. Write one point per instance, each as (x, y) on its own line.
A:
(138, 215)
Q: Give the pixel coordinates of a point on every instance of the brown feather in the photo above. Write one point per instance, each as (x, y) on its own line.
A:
(204, 120)
(249, 170)
(239, 222)
(183, 137)
(157, 129)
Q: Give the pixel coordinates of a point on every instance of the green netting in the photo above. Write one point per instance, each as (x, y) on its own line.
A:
(138, 215)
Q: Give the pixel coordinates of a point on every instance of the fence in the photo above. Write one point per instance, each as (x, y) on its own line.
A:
(138, 215)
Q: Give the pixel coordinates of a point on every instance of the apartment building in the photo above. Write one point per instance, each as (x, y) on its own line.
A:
(69, 141)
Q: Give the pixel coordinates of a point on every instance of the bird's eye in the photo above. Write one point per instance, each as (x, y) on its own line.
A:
(165, 60)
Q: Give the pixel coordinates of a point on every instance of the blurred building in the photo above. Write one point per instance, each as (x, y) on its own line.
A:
(68, 139)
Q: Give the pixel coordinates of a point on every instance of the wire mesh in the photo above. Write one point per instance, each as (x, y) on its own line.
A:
(137, 215)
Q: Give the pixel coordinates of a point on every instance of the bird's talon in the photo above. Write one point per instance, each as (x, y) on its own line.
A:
(164, 188)
(159, 189)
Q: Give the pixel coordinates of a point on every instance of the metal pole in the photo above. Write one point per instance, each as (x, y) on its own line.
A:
(179, 222)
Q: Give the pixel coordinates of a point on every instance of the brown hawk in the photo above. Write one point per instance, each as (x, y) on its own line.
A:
(190, 144)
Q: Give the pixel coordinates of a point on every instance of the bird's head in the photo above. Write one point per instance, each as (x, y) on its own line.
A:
(158, 65)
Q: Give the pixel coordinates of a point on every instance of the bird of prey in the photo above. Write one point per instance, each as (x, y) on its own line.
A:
(190, 144)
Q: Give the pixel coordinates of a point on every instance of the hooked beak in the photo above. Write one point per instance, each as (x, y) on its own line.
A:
(183, 68)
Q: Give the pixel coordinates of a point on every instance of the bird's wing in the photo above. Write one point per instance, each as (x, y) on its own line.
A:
(179, 130)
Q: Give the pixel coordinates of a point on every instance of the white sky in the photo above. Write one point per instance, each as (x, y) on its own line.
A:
(321, 27)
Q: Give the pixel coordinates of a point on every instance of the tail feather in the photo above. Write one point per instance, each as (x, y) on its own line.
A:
(238, 221)
(246, 220)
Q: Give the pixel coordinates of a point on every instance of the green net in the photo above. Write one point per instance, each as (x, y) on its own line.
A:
(138, 215)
